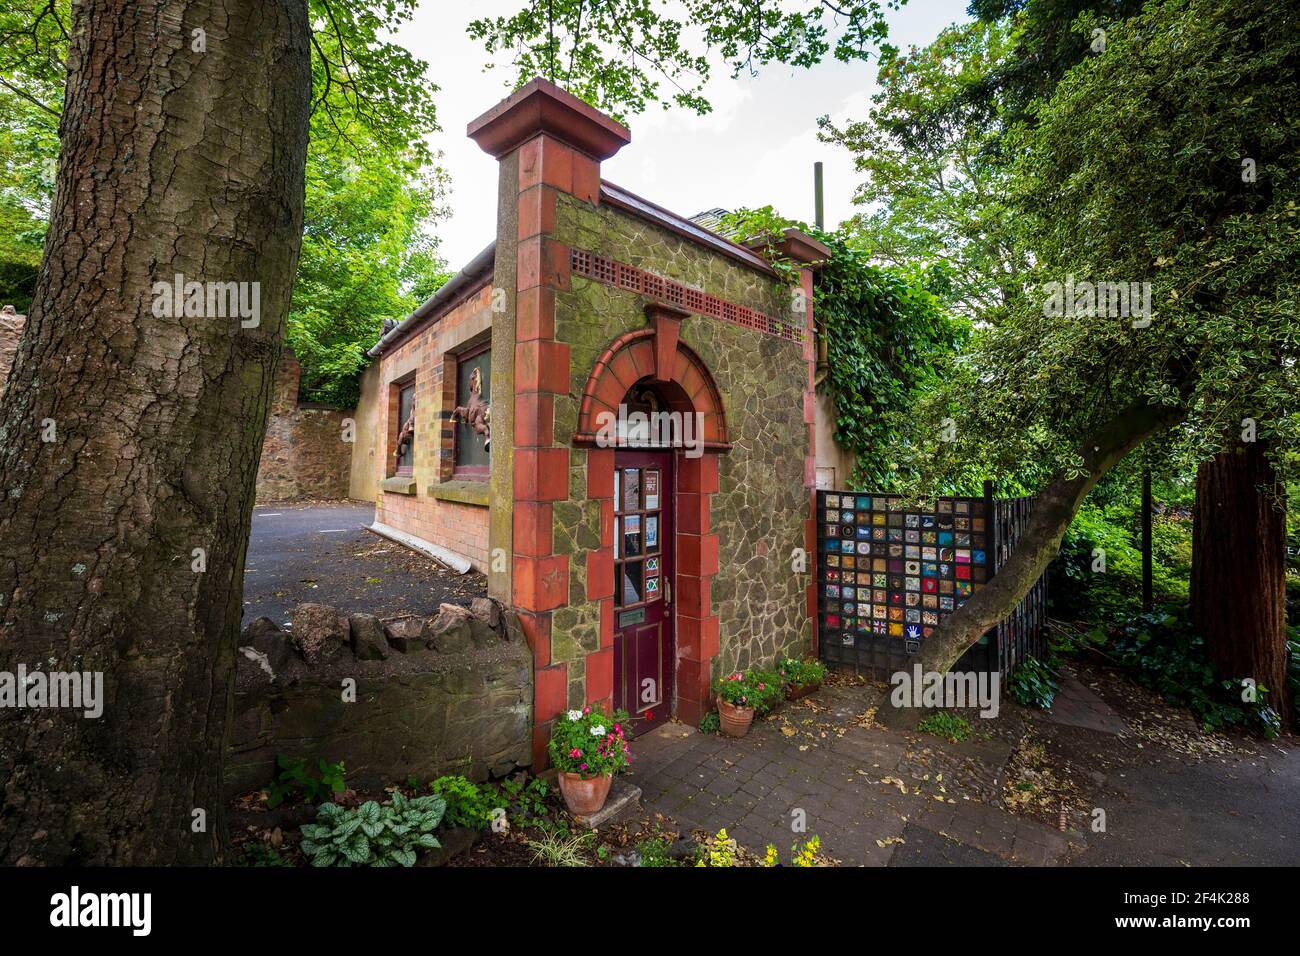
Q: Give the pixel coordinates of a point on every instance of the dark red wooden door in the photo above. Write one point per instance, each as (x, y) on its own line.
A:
(644, 653)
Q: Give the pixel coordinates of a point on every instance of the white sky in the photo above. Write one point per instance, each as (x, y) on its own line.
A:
(756, 148)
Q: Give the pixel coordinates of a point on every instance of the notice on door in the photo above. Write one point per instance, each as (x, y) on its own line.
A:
(651, 490)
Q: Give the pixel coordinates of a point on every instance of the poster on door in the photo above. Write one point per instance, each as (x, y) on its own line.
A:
(651, 490)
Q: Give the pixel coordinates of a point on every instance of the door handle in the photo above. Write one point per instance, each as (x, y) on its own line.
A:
(668, 592)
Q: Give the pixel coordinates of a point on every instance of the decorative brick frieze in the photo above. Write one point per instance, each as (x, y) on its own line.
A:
(623, 276)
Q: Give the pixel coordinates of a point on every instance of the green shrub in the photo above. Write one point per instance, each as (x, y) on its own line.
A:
(468, 805)
(771, 691)
(802, 673)
(1034, 683)
(524, 800)
(710, 723)
(374, 834)
(260, 854)
(293, 777)
(944, 724)
(1166, 655)
(1082, 594)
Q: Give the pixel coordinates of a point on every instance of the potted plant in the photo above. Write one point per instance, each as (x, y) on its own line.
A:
(801, 677)
(738, 695)
(588, 749)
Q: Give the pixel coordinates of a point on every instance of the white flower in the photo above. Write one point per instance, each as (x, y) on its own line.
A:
(598, 731)
(575, 715)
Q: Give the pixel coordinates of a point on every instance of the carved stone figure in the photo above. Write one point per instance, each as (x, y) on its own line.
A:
(477, 414)
(407, 434)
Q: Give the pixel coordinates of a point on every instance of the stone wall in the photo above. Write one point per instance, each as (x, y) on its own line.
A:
(451, 694)
(304, 456)
(761, 505)
(11, 330)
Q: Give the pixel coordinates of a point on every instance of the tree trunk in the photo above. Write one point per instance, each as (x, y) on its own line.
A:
(1238, 586)
(184, 138)
(1053, 510)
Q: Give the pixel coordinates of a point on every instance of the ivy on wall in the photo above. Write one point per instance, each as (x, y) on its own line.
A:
(884, 330)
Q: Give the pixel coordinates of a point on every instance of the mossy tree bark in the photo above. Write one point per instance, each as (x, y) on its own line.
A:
(1238, 584)
(1054, 508)
(182, 152)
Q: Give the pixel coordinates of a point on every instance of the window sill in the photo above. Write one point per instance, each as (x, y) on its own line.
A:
(463, 492)
(398, 485)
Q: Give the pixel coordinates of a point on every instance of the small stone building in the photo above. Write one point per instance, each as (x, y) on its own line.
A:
(510, 413)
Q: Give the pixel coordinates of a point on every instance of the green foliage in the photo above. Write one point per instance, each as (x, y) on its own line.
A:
(556, 849)
(944, 724)
(617, 54)
(1034, 682)
(1166, 655)
(373, 190)
(755, 688)
(1132, 172)
(710, 723)
(374, 834)
(801, 673)
(884, 331)
(255, 853)
(293, 778)
(1079, 593)
(589, 743)
(719, 850)
(656, 852)
(524, 800)
(468, 805)
(933, 184)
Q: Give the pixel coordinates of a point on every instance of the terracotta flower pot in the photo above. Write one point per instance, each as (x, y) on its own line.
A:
(735, 720)
(584, 797)
(795, 691)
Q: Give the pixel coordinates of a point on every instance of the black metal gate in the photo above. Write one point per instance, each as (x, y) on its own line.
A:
(888, 573)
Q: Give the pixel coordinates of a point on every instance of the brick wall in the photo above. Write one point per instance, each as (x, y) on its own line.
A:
(439, 509)
(304, 455)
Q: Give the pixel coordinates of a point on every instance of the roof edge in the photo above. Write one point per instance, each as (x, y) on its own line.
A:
(480, 266)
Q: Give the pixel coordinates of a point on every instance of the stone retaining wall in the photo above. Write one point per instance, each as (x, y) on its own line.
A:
(304, 455)
(450, 694)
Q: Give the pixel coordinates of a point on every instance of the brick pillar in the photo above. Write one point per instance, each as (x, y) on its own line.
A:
(547, 142)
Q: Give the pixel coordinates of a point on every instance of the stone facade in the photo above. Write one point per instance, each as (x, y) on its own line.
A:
(11, 330)
(452, 694)
(304, 454)
(592, 290)
(758, 512)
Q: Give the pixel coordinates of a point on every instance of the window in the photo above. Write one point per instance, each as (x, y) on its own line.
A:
(406, 430)
(471, 414)
(637, 551)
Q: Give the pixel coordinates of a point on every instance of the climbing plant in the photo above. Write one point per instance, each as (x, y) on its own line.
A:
(885, 329)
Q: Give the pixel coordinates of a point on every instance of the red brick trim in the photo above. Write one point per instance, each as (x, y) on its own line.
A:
(634, 356)
(630, 278)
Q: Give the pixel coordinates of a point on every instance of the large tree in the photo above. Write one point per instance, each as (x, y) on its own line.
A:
(129, 440)
(1136, 170)
(1238, 583)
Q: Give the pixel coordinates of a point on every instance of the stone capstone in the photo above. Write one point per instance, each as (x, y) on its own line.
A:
(317, 633)
(368, 641)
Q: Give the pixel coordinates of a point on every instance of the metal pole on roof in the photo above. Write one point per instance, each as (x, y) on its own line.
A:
(817, 196)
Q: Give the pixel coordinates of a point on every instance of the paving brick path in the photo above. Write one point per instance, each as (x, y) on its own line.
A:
(876, 797)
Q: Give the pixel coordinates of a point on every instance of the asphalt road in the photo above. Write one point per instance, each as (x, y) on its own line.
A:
(322, 552)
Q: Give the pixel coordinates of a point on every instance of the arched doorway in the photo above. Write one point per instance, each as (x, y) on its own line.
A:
(644, 646)
(671, 638)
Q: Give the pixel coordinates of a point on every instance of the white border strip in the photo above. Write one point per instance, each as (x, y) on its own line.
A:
(456, 562)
